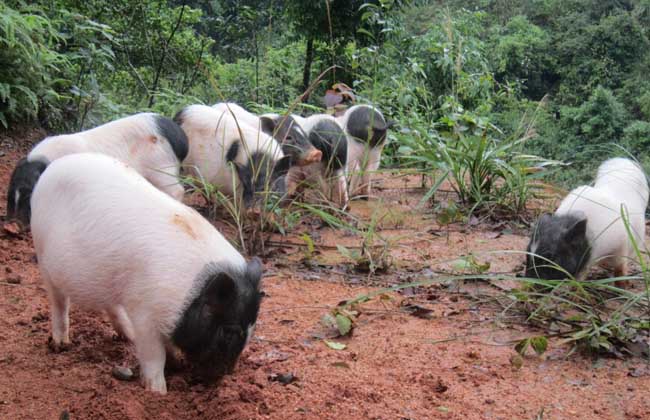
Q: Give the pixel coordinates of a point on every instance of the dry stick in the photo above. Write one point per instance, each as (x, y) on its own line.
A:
(164, 54)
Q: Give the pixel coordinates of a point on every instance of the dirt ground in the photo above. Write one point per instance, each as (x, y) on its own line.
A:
(454, 365)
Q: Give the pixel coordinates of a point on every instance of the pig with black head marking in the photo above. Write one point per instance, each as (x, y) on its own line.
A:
(367, 130)
(292, 136)
(327, 136)
(284, 129)
(218, 140)
(153, 145)
(106, 239)
(588, 229)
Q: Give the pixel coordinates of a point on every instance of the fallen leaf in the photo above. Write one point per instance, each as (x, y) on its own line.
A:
(341, 365)
(335, 345)
(638, 371)
(418, 311)
(494, 235)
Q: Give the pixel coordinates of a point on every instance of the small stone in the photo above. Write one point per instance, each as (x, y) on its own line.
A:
(283, 378)
(12, 228)
(122, 373)
(15, 279)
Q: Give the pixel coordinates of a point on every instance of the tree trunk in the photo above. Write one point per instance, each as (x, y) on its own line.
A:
(309, 57)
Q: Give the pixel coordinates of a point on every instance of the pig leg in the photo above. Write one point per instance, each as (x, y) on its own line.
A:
(60, 308)
(354, 177)
(374, 159)
(122, 323)
(621, 270)
(150, 350)
(339, 193)
(295, 181)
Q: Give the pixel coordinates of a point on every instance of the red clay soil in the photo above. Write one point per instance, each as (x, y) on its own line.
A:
(455, 365)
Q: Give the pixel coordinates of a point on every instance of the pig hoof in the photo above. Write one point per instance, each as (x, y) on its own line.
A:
(57, 347)
(155, 385)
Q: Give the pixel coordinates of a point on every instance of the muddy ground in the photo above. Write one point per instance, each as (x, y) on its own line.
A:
(454, 364)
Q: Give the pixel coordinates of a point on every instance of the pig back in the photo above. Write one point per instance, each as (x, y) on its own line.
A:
(105, 236)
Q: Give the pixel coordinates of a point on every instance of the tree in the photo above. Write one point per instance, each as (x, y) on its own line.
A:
(328, 20)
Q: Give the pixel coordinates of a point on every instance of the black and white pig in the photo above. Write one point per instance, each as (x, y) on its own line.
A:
(327, 136)
(367, 129)
(284, 129)
(153, 145)
(217, 139)
(107, 240)
(587, 227)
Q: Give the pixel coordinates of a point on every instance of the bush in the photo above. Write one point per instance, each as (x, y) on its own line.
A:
(30, 64)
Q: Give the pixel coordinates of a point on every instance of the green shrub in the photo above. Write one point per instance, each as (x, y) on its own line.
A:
(29, 62)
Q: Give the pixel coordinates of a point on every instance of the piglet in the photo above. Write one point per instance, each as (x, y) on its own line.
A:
(327, 136)
(587, 228)
(106, 239)
(232, 155)
(153, 145)
(283, 128)
(367, 129)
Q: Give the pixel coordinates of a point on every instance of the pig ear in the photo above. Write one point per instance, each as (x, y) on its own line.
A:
(267, 124)
(254, 271)
(282, 166)
(220, 291)
(577, 231)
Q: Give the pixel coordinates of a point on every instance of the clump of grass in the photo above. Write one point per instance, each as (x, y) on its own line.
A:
(253, 228)
(374, 253)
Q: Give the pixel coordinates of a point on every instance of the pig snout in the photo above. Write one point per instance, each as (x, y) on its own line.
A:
(309, 156)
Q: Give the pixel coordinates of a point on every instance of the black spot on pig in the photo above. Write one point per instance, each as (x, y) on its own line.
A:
(232, 152)
(21, 186)
(328, 137)
(174, 134)
(562, 240)
(287, 131)
(213, 329)
(366, 125)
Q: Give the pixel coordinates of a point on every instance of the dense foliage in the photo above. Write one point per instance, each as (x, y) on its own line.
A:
(566, 78)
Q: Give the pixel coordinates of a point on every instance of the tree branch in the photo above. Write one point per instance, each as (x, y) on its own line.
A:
(164, 54)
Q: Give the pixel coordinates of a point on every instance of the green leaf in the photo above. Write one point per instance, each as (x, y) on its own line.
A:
(539, 344)
(335, 345)
(521, 346)
(310, 243)
(344, 324)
